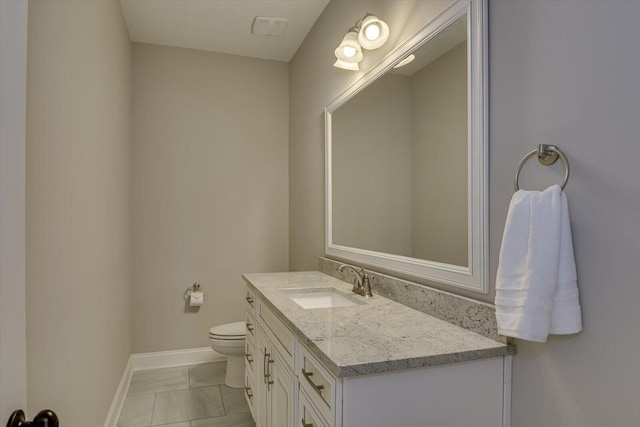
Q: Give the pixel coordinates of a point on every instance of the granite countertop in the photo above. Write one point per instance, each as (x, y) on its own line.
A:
(380, 335)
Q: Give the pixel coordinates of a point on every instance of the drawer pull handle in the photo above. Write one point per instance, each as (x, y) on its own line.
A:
(250, 327)
(306, 425)
(264, 365)
(317, 388)
(266, 368)
(269, 362)
(249, 300)
(249, 395)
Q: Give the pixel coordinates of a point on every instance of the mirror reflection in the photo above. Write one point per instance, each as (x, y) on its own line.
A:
(400, 157)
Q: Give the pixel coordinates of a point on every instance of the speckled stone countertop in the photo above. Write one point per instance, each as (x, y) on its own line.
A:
(380, 335)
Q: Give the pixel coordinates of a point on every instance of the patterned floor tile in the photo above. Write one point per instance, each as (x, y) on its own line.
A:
(207, 374)
(158, 380)
(185, 405)
(137, 411)
(238, 420)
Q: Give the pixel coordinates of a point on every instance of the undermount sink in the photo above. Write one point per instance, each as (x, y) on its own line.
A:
(320, 297)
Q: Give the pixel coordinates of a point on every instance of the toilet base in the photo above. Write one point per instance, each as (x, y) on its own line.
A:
(235, 372)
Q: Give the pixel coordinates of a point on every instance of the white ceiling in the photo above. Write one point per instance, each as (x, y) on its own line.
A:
(222, 26)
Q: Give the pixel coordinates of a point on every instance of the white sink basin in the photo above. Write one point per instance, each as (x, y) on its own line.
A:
(320, 298)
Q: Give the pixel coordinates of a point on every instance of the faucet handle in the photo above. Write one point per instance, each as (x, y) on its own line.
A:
(366, 284)
(373, 279)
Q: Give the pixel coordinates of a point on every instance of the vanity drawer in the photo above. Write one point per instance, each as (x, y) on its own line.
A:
(249, 357)
(307, 415)
(250, 328)
(249, 392)
(250, 302)
(284, 339)
(318, 383)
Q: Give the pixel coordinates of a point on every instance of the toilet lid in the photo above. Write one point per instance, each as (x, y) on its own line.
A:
(233, 330)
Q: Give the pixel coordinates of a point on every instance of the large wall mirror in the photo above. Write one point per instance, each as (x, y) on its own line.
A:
(406, 153)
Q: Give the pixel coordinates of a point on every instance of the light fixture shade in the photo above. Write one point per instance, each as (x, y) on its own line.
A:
(349, 50)
(353, 66)
(373, 32)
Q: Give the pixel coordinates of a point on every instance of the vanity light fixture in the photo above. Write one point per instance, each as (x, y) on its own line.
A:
(369, 33)
(374, 32)
(349, 53)
(353, 66)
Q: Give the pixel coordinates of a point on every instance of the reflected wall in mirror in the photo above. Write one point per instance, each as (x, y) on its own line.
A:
(400, 156)
(405, 157)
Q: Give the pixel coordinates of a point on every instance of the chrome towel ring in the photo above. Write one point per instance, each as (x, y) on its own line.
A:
(547, 155)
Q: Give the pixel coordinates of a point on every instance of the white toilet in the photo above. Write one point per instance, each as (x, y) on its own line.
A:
(228, 339)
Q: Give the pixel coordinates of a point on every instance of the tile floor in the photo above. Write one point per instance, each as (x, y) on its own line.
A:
(190, 396)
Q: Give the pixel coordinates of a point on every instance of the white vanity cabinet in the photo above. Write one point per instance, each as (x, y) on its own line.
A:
(323, 391)
(293, 388)
(456, 394)
(271, 376)
(250, 354)
(276, 387)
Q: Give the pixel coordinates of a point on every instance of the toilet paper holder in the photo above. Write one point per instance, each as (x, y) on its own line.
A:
(193, 288)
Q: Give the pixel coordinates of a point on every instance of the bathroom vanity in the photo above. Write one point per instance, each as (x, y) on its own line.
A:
(319, 355)
(349, 361)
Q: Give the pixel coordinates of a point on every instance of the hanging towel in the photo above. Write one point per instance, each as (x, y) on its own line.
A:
(536, 285)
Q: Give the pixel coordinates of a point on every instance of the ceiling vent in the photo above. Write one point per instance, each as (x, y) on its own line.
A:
(267, 26)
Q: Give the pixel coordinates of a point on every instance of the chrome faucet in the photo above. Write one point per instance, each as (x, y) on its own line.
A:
(361, 281)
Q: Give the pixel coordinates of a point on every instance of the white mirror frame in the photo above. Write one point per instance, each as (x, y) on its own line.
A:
(475, 276)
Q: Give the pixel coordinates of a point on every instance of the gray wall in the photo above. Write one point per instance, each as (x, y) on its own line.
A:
(399, 164)
(567, 73)
(77, 239)
(440, 152)
(209, 176)
(13, 322)
(563, 72)
(371, 152)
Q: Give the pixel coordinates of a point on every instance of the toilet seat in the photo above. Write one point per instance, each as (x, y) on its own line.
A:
(228, 332)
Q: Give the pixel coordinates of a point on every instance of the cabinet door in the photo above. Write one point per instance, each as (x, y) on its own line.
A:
(282, 394)
(261, 395)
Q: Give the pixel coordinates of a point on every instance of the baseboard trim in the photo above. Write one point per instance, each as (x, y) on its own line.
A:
(167, 359)
(160, 359)
(118, 399)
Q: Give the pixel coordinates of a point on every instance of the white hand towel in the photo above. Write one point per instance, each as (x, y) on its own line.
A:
(536, 287)
(566, 316)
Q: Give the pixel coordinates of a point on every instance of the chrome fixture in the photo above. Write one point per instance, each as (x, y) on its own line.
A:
(369, 33)
(191, 289)
(361, 281)
(547, 155)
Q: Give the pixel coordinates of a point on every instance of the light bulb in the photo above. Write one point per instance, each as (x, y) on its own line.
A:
(372, 32)
(349, 51)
